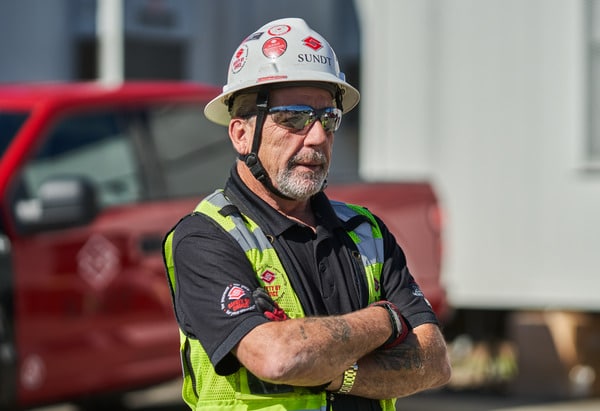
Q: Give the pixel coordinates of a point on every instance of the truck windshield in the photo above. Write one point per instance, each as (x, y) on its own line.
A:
(9, 126)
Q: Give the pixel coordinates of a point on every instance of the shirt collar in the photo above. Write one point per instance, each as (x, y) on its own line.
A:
(269, 218)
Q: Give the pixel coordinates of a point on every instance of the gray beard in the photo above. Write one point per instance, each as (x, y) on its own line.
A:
(302, 185)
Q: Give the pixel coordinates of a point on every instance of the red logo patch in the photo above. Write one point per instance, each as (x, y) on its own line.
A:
(279, 30)
(273, 290)
(274, 47)
(239, 59)
(268, 277)
(236, 293)
(236, 300)
(312, 42)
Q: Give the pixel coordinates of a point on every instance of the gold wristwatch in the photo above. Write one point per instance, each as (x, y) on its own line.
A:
(349, 378)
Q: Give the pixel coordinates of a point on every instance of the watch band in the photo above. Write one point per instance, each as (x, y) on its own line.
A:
(349, 379)
(399, 327)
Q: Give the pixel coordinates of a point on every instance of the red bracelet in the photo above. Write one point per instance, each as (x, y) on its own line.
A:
(399, 327)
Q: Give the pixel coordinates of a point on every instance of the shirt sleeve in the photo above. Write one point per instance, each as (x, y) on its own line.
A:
(400, 287)
(213, 297)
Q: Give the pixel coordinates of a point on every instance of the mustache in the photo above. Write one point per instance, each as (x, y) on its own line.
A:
(311, 157)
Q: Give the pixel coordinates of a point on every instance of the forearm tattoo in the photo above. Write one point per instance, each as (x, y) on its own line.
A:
(401, 357)
(338, 328)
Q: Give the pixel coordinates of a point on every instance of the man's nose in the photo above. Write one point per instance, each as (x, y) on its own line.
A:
(316, 134)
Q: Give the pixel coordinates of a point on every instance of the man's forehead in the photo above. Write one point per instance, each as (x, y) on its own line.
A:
(300, 93)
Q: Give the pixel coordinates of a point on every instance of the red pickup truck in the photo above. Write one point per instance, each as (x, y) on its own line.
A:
(91, 178)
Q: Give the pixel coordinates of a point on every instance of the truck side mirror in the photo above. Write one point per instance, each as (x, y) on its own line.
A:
(61, 202)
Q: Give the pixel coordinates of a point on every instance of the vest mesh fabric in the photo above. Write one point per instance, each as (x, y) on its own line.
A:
(202, 388)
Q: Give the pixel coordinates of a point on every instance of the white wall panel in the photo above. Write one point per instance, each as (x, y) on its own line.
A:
(501, 118)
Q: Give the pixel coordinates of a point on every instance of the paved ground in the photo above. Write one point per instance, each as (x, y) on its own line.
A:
(166, 397)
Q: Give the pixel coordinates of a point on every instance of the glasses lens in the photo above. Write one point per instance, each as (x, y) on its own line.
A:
(331, 119)
(294, 118)
(297, 118)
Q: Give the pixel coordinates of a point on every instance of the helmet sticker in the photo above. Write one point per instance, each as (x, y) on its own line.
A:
(239, 59)
(312, 42)
(279, 30)
(271, 78)
(274, 47)
(254, 36)
(236, 300)
(314, 58)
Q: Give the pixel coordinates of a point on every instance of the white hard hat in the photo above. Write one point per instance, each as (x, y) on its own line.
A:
(282, 51)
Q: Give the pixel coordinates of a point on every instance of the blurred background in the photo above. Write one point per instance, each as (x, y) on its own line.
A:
(493, 103)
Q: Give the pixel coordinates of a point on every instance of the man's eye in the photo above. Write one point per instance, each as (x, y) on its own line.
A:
(297, 119)
(292, 119)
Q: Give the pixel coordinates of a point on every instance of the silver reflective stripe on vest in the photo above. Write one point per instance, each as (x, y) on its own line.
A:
(344, 212)
(249, 241)
(246, 239)
(371, 249)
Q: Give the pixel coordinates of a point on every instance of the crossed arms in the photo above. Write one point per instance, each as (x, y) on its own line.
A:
(314, 351)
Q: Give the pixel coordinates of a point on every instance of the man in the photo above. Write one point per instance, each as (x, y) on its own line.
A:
(285, 300)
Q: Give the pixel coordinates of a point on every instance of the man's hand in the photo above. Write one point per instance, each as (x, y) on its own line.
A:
(267, 306)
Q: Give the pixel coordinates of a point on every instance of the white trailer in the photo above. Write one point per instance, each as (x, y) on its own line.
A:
(496, 101)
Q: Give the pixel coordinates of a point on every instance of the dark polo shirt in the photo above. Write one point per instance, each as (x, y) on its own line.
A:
(211, 267)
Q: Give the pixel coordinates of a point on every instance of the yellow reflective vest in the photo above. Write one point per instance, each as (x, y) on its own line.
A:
(202, 388)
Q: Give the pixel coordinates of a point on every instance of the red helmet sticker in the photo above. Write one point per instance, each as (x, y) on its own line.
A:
(279, 30)
(239, 59)
(274, 47)
(236, 300)
(271, 78)
(312, 42)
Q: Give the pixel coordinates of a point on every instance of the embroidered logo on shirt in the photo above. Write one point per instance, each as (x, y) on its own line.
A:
(236, 299)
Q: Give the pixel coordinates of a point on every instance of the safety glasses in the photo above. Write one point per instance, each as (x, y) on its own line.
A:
(299, 118)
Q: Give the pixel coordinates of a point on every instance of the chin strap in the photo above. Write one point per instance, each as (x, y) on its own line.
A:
(251, 159)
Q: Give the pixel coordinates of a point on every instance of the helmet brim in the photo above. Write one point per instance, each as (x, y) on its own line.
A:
(217, 110)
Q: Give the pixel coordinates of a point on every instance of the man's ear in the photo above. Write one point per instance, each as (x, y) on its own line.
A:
(240, 133)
